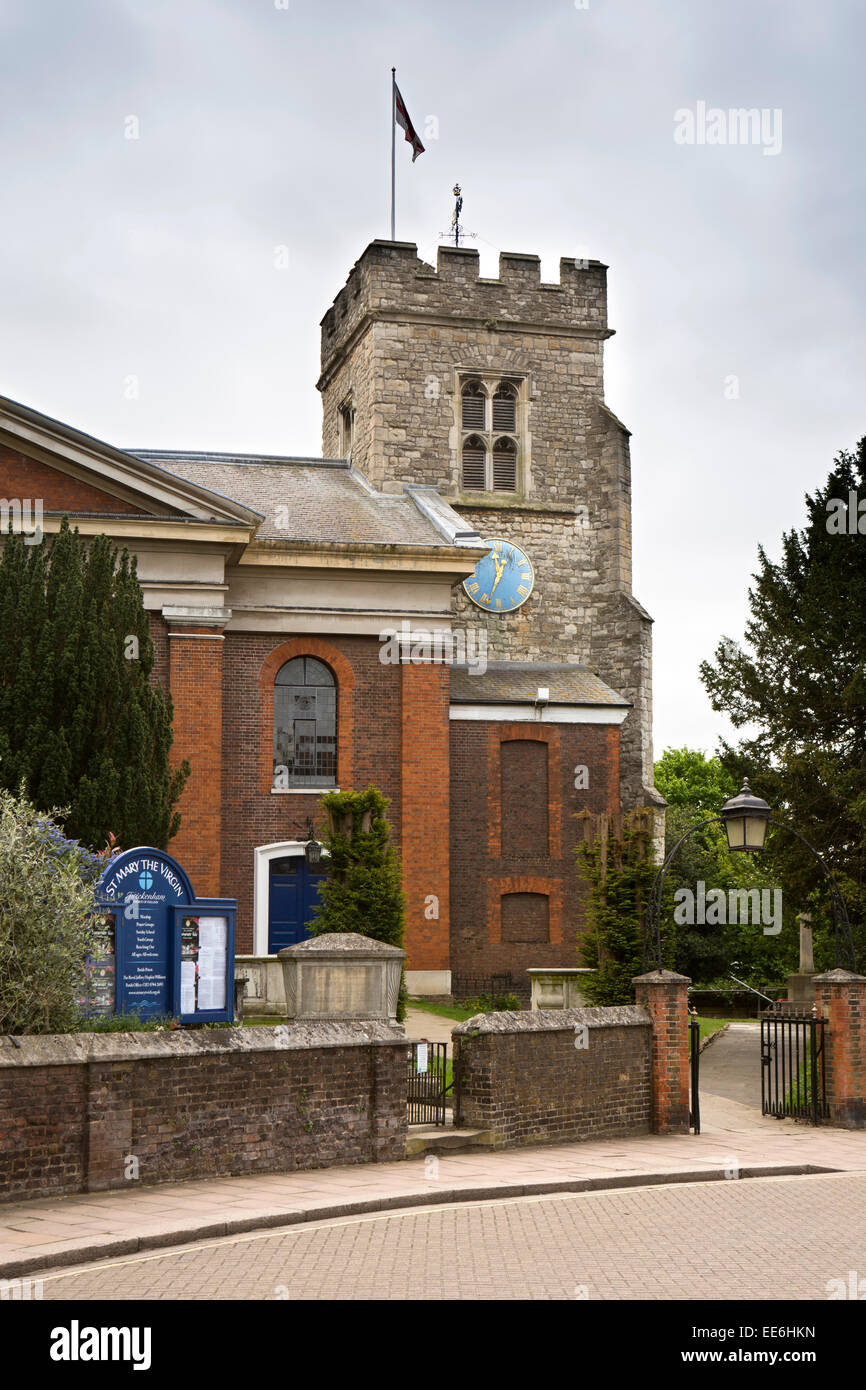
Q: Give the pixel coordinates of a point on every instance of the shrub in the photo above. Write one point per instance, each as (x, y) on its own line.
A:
(46, 894)
(492, 1003)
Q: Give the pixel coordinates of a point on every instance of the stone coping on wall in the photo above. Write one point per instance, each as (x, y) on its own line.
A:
(555, 1020)
(70, 1049)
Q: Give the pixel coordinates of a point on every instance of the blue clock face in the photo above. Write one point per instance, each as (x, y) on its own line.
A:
(503, 580)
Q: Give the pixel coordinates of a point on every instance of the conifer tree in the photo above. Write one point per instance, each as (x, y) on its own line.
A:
(81, 725)
(363, 890)
(799, 688)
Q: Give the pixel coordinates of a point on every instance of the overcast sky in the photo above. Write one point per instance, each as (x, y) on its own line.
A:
(736, 276)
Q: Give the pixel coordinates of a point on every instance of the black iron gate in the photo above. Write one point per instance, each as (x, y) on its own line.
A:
(428, 1083)
(694, 1072)
(792, 1067)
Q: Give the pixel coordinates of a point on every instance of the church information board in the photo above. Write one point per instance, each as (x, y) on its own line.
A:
(158, 951)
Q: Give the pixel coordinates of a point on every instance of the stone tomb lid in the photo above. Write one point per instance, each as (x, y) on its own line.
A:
(344, 944)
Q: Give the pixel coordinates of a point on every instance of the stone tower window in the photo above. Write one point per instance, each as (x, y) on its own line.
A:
(505, 466)
(491, 435)
(505, 408)
(474, 406)
(475, 464)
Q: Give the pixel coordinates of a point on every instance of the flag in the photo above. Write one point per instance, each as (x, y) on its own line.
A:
(403, 120)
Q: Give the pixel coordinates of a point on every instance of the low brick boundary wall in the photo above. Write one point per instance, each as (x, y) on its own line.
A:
(86, 1112)
(527, 1078)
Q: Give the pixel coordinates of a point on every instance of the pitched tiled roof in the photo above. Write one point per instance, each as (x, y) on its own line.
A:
(515, 682)
(305, 499)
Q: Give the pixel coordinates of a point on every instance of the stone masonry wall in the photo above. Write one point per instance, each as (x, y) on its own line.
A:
(523, 1078)
(396, 341)
(75, 1110)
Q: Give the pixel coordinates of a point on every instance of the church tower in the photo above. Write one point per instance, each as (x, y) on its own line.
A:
(492, 391)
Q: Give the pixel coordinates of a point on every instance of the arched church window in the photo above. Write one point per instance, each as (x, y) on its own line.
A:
(505, 465)
(474, 464)
(305, 724)
(474, 404)
(505, 408)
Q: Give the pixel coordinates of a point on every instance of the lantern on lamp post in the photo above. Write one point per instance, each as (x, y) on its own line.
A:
(745, 818)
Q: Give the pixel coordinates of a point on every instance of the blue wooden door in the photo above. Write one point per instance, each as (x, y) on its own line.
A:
(292, 897)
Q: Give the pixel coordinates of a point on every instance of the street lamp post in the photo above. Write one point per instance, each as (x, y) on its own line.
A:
(746, 818)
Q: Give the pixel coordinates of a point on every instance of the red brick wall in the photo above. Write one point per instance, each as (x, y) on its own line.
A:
(197, 1105)
(426, 814)
(481, 873)
(523, 1078)
(664, 995)
(841, 1000)
(368, 738)
(21, 477)
(43, 1129)
(195, 673)
(159, 636)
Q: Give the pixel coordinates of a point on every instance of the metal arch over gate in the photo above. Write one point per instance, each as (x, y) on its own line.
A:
(793, 1081)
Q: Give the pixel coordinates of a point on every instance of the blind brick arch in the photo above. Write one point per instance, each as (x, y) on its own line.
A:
(508, 902)
(499, 736)
(524, 797)
(525, 917)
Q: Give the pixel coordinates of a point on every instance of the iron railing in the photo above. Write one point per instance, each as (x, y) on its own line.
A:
(793, 1080)
(428, 1083)
(694, 1070)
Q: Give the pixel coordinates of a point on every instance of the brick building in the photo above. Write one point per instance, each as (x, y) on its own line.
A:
(441, 605)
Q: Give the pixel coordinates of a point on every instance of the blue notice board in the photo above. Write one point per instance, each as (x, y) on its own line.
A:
(173, 953)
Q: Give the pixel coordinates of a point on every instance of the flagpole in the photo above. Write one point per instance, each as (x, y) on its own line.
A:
(393, 156)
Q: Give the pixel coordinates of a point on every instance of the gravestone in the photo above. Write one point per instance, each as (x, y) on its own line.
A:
(800, 989)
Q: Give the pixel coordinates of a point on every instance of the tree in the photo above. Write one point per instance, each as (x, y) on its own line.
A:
(687, 777)
(363, 890)
(695, 788)
(81, 725)
(798, 686)
(615, 861)
(46, 894)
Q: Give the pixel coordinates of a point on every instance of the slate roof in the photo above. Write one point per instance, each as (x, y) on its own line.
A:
(515, 682)
(326, 500)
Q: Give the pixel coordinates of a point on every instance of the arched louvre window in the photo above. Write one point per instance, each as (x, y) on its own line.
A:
(474, 403)
(305, 724)
(505, 466)
(505, 408)
(474, 464)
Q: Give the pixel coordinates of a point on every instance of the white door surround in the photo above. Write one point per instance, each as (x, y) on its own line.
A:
(261, 887)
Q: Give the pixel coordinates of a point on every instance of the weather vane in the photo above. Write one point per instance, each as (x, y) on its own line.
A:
(457, 230)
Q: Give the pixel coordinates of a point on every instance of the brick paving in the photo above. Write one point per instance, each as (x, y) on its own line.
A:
(762, 1238)
(62, 1231)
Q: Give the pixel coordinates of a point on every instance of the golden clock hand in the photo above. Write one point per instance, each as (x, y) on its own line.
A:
(500, 570)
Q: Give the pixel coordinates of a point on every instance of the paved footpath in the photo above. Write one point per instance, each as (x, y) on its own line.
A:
(731, 1064)
(736, 1141)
